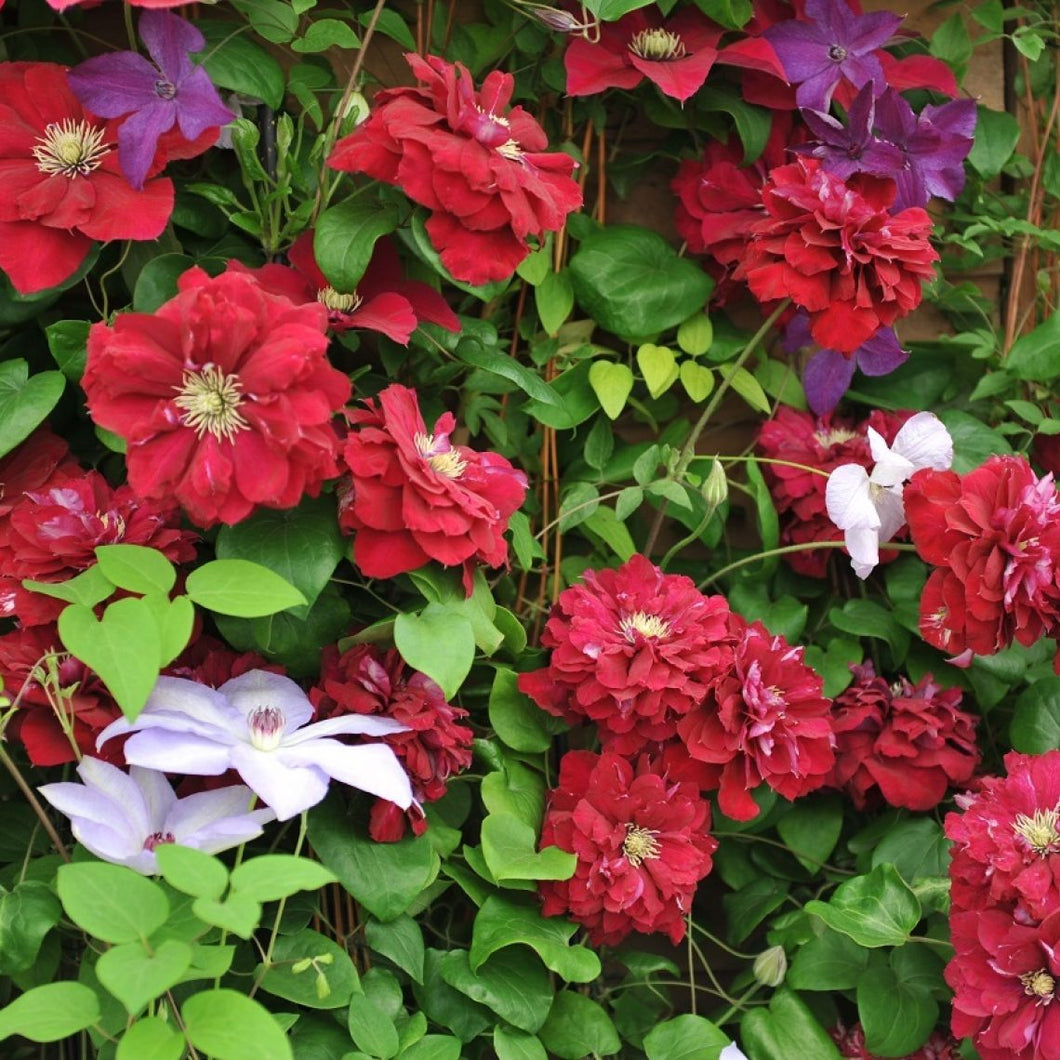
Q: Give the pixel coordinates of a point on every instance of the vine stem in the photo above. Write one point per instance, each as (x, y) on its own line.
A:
(31, 798)
(688, 451)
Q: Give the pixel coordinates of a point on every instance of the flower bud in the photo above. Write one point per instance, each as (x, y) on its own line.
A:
(715, 487)
(556, 19)
(771, 966)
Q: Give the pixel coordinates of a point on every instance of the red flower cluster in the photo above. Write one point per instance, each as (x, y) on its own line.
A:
(993, 536)
(902, 744)
(365, 680)
(824, 443)
(1005, 923)
(641, 842)
(414, 496)
(851, 1044)
(833, 248)
(482, 171)
(224, 396)
(63, 187)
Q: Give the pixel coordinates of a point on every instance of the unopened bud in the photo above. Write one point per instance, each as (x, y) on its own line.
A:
(771, 966)
(323, 987)
(715, 488)
(557, 20)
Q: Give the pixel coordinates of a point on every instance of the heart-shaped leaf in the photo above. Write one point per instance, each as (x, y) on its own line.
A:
(237, 914)
(612, 384)
(136, 977)
(697, 380)
(25, 401)
(658, 366)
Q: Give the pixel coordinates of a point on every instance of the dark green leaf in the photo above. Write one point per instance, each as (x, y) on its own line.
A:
(1035, 727)
(785, 1029)
(512, 984)
(346, 235)
(1036, 355)
(830, 961)
(25, 401)
(897, 1016)
(310, 969)
(27, 913)
(685, 1037)
(874, 910)
(401, 941)
(67, 340)
(577, 1026)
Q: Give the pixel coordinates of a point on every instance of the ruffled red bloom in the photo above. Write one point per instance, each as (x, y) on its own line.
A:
(33, 465)
(415, 496)
(384, 301)
(1005, 975)
(224, 396)
(633, 650)
(902, 744)
(484, 174)
(63, 187)
(994, 537)
(641, 842)
(765, 719)
(35, 667)
(832, 247)
(51, 535)
(365, 680)
(851, 1044)
(822, 442)
(1007, 838)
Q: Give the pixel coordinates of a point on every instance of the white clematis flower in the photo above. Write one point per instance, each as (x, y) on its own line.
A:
(868, 508)
(731, 1052)
(256, 725)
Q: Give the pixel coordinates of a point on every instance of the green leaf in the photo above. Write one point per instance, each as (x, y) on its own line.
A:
(577, 1026)
(686, 1037)
(51, 1012)
(1036, 355)
(746, 908)
(439, 642)
(346, 235)
(151, 1036)
(136, 568)
(611, 10)
(510, 1043)
(512, 985)
(916, 848)
(749, 388)
(554, 299)
(326, 33)
(510, 849)
(830, 961)
(68, 341)
(874, 910)
(897, 1016)
(502, 922)
(111, 902)
(786, 1028)
(230, 1026)
(157, 282)
(191, 871)
(302, 545)
(515, 718)
(136, 977)
(697, 380)
(240, 588)
(996, 136)
(1035, 727)
(89, 588)
(27, 913)
(270, 877)
(474, 353)
(175, 622)
(866, 618)
(408, 867)
(768, 521)
(696, 335)
(446, 1006)
(632, 283)
(811, 829)
(310, 969)
(274, 20)
(658, 366)
(605, 524)
(371, 1029)
(973, 440)
(752, 123)
(400, 941)
(25, 401)
(781, 381)
(612, 384)
(517, 790)
(236, 913)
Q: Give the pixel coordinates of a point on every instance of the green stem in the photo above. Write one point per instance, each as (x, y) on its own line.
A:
(722, 945)
(737, 1004)
(771, 460)
(31, 798)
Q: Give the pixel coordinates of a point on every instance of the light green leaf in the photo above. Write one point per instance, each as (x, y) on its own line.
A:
(510, 848)
(25, 401)
(136, 977)
(440, 642)
(111, 902)
(240, 588)
(270, 877)
(228, 1025)
(51, 1012)
(612, 384)
(658, 366)
(878, 909)
(685, 1037)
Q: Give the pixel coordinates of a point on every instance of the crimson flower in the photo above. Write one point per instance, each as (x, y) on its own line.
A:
(481, 170)
(414, 496)
(1004, 976)
(209, 661)
(633, 650)
(765, 719)
(42, 457)
(904, 744)
(63, 187)
(641, 842)
(993, 536)
(835, 250)
(1006, 839)
(384, 301)
(224, 395)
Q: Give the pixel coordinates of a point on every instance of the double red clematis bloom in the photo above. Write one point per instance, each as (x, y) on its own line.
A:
(63, 187)
(224, 396)
(993, 536)
(902, 744)
(413, 496)
(641, 842)
(633, 650)
(483, 171)
(833, 248)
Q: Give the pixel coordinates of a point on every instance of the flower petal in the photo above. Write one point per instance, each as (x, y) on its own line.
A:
(173, 751)
(849, 500)
(863, 544)
(287, 787)
(259, 688)
(925, 442)
(371, 767)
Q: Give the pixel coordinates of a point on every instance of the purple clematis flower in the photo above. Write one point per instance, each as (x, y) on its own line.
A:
(156, 95)
(933, 146)
(834, 43)
(828, 373)
(256, 725)
(122, 817)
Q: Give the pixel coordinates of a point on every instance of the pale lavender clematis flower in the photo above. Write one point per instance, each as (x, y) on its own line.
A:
(256, 725)
(731, 1052)
(834, 43)
(121, 817)
(156, 95)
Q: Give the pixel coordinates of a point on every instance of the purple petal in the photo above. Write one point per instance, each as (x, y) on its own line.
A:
(138, 138)
(115, 84)
(801, 49)
(259, 688)
(178, 752)
(286, 785)
(861, 70)
(797, 333)
(169, 38)
(958, 117)
(881, 354)
(816, 92)
(872, 31)
(199, 106)
(826, 378)
(370, 767)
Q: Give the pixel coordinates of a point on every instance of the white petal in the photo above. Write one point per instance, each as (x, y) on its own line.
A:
(892, 512)
(215, 820)
(863, 544)
(925, 442)
(877, 446)
(98, 823)
(357, 724)
(371, 767)
(122, 791)
(259, 688)
(178, 752)
(287, 788)
(158, 795)
(848, 498)
(892, 469)
(731, 1052)
(183, 706)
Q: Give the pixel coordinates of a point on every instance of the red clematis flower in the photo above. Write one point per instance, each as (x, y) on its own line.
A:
(42, 457)
(384, 300)
(641, 842)
(833, 248)
(63, 187)
(481, 169)
(414, 496)
(224, 396)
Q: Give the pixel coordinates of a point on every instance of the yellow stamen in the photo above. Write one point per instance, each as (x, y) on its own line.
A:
(70, 148)
(210, 400)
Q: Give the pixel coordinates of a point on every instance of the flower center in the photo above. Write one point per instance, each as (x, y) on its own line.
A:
(70, 148)
(1039, 984)
(837, 53)
(640, 844)
(266, 727)
(657, 45)
(447, 462)
(1041, 832)
(165, 89)
(157, 838)
(210, 400)
(336, 302)
(652, 627)
(510, 149)
(836, 436)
